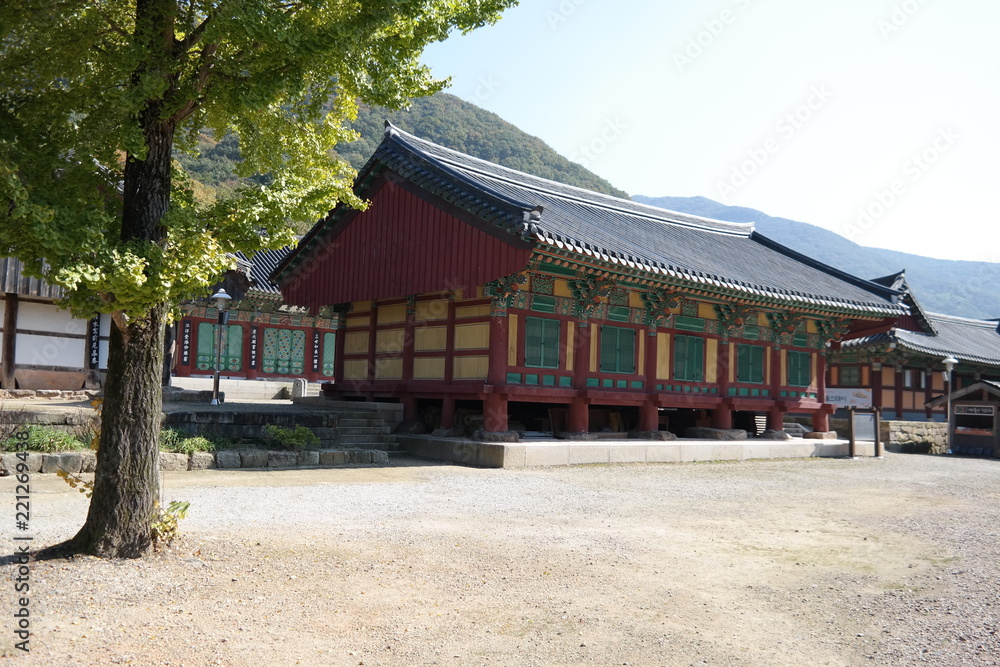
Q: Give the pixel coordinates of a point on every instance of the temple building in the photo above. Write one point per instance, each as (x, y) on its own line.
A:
(470, 289)
(900, 368)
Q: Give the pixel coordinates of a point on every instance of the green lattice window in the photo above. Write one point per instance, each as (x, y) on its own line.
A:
(799, 369)
(689, 358)
(750, 363)
(541, 342)
(284, 351)
(329, 353)
(849, 376)
(617, 350)
(232, 347)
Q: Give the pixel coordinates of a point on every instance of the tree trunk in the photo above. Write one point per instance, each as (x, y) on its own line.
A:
(127, 479)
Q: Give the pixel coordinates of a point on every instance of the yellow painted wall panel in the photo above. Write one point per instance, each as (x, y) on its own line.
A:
(356, 369)
(428, 339)
(431, 310)
(811, 327)
(594, 332)
(663, 356)
(389, 341)
(768, 351)
(357, 321)
(640, 368)
(388, 369)
(888, 376)
(731, 353)
(813, 368)
(361, 306)
(392, 314)
(570, 344)
(711, 359)
(472, 336)
(834, 376)
(888, 398)
(762, 320)
(481, 310)
(428, 368)
(784, 367)
(634, 300)
(865, 376)
(705, 310)
(511, 340)
(471, 368)
(356, 342)
(938, 381)
(561, 288)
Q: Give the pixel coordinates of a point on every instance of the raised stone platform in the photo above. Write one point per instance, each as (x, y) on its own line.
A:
(536, 453)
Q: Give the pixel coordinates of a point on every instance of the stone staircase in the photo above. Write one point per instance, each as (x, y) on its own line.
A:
(795, 429)
(337, 426)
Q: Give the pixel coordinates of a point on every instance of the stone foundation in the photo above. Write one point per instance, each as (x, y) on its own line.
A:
(86, 460)
(915, 437)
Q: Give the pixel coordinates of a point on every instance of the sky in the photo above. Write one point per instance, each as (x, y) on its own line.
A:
(876, 119)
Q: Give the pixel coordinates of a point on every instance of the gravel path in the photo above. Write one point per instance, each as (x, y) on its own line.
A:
(805, 562)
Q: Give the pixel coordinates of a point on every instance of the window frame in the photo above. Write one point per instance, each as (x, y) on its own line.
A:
(620, 347)
(680, 370)
(546, 347)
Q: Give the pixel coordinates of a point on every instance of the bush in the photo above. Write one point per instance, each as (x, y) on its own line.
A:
(174, 441)
(43, 439)
(291, 438)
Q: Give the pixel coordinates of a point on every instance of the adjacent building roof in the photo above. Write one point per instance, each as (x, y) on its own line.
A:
(711, 254)
(990, 387)
(259, 267)
(969, 341)
(13, 281)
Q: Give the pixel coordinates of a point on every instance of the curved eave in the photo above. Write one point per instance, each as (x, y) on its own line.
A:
(916, 348)
(723, 286)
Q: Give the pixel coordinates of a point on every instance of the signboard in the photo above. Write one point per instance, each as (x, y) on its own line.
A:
(986, 410)
(854, 397)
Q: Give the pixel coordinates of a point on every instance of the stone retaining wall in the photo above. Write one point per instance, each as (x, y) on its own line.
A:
(915, 437)
(86, 460)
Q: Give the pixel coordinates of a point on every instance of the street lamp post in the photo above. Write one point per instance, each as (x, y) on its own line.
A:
(949, 364)
(221, 300)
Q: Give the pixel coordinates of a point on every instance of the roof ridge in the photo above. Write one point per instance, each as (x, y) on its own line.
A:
(608, 202)
(986, 324)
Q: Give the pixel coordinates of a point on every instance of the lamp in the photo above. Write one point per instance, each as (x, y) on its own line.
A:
(221, 300)
(949, 363)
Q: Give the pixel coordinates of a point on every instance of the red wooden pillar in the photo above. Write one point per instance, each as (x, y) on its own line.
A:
(495, 405)
(578, 415)
(821, 421)
(649, 412)
(897, 394)
(448, 412)
(928, 380)
(776, 415)
(722, 417)
(495, 413)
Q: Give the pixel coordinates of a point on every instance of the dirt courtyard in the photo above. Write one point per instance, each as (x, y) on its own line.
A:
(793, 562)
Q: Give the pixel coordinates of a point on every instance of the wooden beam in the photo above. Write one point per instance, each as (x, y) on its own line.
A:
(7, 380)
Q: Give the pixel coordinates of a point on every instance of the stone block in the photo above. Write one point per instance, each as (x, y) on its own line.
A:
(228, 458)
(771, 434)
(173, 461)
(821, 435)
(67, 461)
(282, 459)
(380, 458)
(496, 436)
(665, 453)
(253, 458)
(201, 461)
(705, 433)
(583, 453)
(309, 457)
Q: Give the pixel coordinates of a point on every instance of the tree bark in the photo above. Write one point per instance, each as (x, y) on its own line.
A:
(127, 478)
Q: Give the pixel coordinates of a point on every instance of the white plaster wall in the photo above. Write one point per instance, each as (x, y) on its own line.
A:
(50, 351)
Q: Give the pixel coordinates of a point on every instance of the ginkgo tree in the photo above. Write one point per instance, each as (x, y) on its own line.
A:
(94, 99)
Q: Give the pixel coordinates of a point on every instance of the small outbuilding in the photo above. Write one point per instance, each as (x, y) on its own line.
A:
(974, 412)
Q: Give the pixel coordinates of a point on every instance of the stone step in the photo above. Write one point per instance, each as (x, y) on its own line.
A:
(355, 421)
(363, 430)
(366, 439)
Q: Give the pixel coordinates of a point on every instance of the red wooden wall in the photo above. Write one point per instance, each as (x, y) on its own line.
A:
(401, 245)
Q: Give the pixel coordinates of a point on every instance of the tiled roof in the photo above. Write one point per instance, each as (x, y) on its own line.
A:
(709, 254)
(969, 341)
(261, 264)
(13, 281)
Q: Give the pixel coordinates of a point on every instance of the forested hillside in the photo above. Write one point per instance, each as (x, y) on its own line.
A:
(441, 118)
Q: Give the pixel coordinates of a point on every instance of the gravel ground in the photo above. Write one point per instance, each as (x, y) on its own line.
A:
(805, 562)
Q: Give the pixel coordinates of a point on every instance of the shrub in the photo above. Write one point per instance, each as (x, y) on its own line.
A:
(43, 439)
(291, 438)
(174, 441)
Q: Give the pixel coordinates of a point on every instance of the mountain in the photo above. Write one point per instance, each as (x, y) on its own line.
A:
(966, 289)
(441, 118)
